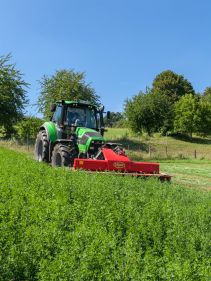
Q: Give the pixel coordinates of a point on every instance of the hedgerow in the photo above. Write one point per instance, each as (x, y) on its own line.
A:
(62, 225)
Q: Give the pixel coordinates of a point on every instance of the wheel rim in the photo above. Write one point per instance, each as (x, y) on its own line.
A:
(40, 151)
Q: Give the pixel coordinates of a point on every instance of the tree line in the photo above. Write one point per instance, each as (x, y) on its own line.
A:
(169, 106)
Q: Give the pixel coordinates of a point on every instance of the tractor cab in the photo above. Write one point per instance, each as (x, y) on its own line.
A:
(75, 114)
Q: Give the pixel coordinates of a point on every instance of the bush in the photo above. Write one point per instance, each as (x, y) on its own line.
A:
(27, 128)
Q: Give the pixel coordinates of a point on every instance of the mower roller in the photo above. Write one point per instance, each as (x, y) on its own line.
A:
(74, 138)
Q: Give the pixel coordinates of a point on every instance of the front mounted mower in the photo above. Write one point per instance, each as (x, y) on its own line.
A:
(74, 138)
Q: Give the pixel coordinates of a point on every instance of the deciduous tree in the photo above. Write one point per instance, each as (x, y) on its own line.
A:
(64, 85)
(148, 112)
(12, 94)
(207, 94)
(192, 115)
(173, 85)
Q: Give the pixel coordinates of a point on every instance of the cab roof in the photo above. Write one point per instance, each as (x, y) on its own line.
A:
(77, 102)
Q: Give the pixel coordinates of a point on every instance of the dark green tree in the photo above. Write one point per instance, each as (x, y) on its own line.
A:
(67, 85)
(12, 94)
(148, 112)
(171, 84)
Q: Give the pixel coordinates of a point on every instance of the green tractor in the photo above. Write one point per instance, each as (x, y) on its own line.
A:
(75, 130)
(74, 138)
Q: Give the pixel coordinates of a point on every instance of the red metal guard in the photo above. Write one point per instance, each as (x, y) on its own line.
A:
(115, 162)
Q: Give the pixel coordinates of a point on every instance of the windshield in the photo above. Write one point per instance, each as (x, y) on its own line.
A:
(83, 116)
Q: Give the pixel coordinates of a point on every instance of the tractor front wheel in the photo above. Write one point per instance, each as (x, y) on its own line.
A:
(61, 156)
(42, 147)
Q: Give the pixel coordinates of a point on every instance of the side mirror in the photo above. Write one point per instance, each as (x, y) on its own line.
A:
(101, 108)
(108, 115)
(53, 107)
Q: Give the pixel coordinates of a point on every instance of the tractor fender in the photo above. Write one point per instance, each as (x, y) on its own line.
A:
(51, 131)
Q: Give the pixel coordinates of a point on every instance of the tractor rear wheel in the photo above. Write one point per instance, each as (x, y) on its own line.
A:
(61, 156)
(42, 147)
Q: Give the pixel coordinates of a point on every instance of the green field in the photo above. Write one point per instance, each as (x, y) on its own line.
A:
(62, 225)
(180, 161)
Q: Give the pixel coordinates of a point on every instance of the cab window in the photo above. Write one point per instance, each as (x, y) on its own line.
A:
(86, 117)
(57, 117)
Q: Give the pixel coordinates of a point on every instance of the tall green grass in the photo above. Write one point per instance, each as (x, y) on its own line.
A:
(62, 225)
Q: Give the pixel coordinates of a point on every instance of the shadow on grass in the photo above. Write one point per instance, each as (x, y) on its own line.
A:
(192, 140)
(132, 144)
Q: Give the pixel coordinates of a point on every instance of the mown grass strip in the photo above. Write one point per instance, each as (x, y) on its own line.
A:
(189, 174)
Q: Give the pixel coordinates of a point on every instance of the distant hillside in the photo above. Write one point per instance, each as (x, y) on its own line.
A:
(158, 147)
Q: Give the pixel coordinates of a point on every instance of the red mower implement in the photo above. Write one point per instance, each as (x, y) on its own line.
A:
(121, 165)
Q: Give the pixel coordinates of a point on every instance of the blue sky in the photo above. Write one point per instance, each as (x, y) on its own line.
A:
(121, 45)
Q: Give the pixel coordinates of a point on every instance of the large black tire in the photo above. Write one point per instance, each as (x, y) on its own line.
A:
(42, 147)
(61, 156)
